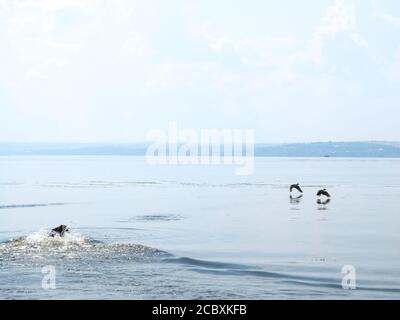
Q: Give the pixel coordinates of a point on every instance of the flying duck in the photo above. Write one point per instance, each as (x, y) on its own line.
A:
(323, 192)
(295, 186)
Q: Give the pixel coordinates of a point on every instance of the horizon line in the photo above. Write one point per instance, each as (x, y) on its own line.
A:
(256, 143)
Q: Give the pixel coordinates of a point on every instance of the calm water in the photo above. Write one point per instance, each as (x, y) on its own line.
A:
(197, 232)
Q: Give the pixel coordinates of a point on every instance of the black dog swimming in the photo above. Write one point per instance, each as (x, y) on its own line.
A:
(59, 231)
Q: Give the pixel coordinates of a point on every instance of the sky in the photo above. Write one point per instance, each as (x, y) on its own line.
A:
(110, 71)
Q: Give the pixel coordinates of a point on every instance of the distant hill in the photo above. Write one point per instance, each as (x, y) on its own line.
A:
(106, 149)
(388, 143)
(379, 149)
(331, 149)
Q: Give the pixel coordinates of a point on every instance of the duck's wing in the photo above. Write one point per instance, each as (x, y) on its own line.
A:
(327, 194)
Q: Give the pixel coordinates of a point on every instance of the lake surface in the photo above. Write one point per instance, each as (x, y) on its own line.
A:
(139, 231)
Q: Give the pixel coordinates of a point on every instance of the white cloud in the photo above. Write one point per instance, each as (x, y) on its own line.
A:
(51, 5)
(389, 18)
(394, 69)
(340, 17)
(379, 13)
(119, 63)
(37, 43)
(286, 52)
(252, 51)
(390, 66)
(32, 44)
(170, 74)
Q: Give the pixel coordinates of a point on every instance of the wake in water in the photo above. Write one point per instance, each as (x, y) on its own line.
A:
(291, 275)
(83, 261)
(33, 205)
(153, 217)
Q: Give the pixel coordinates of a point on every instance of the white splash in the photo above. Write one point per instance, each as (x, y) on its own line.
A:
(41, 237)
(40, 240)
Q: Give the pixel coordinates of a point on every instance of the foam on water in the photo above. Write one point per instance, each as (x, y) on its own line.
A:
(100, 184)
(41, 238)
(154, 217)
(71, 245)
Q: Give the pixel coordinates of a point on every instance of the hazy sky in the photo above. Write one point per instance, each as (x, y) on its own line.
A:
(108, 71)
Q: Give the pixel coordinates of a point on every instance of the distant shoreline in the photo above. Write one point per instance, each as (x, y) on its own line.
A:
(361, 149)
